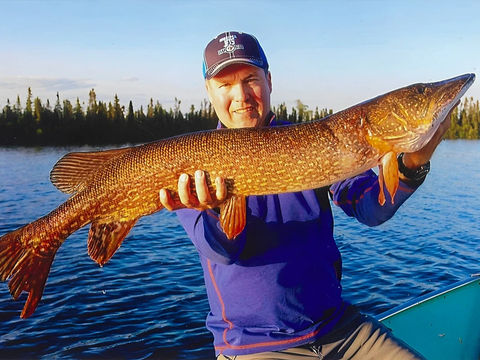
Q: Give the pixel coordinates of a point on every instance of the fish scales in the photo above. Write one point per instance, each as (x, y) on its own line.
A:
(112, 189)
(237, 156)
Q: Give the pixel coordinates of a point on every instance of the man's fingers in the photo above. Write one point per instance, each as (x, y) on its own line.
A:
(203, 193)
(200, 198)
(221, 189)
(184, 192)
(166, 199)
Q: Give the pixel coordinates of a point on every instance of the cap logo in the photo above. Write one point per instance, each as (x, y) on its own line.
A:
(229, 44)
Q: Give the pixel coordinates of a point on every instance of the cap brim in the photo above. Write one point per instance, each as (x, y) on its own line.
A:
(216, 69)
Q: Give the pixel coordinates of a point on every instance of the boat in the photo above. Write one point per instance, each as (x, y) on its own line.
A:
(441, 325)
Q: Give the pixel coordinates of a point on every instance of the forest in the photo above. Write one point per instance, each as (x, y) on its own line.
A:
(35, 123)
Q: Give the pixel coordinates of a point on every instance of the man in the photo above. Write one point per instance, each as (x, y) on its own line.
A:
(274, 291)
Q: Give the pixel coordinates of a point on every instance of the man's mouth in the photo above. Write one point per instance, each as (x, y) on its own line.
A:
(244, 110)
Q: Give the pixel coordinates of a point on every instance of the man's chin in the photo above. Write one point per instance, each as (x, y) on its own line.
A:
(246, 121)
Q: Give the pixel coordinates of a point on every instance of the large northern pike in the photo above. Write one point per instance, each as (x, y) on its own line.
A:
(113, 189)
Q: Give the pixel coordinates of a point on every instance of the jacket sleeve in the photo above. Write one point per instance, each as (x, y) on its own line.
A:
(358, 197)
(203, 228)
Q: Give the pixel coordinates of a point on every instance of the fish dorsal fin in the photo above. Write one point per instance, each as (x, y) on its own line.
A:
(70, 172)
(104, 239)
(388, 176)
(233, 216)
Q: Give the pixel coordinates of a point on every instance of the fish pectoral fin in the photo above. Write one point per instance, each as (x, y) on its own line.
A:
(71, 171)
(233, 216)
(388, 176)
(104, 239)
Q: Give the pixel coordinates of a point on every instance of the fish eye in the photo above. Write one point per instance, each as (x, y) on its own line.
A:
(420, 88)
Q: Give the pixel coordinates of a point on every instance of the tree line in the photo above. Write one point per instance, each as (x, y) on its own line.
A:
(97, 122)
(465, 120)
(100, 123)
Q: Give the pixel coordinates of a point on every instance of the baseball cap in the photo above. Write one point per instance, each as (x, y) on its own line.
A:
(232, 47)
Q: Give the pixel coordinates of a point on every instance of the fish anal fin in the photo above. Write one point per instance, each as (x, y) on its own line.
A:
(388, 176)
(104, 239)
(72, 170)
(233, 216)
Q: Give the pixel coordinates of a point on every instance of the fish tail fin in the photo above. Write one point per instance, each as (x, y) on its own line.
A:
(10, 251)
(25, 267)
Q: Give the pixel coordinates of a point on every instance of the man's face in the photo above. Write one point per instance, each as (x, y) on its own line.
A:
(240, 95)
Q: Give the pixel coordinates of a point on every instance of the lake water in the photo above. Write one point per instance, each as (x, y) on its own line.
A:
(149, 301)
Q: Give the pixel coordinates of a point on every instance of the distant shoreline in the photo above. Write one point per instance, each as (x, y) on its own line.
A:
(100, 124)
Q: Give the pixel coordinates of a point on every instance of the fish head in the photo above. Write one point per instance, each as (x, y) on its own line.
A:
(406, 119)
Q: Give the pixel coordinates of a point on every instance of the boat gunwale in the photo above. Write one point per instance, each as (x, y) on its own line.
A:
(427, 297)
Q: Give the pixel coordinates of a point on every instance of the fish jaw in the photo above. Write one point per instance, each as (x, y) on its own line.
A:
(406, 119)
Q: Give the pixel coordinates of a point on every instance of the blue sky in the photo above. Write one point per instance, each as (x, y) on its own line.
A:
(326, 53)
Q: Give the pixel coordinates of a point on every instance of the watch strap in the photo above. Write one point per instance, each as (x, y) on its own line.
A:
(416, 175)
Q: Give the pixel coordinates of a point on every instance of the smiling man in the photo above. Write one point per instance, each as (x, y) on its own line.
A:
(240, 95)
(237, 80)
(275, 290)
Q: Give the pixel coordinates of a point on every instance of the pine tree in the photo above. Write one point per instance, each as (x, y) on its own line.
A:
(17, 108)
(150, 109)
(67, 110)
(176, 108)
(131, 114)
(78, 110)
(28, 107)
(92, 102)
(302, 111)
(119, 119)
(58, 106)
(38, 109)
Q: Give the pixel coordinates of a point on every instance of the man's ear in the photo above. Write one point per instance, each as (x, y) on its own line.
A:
(269, 79)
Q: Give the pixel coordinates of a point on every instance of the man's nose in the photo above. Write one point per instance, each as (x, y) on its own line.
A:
(241, 92)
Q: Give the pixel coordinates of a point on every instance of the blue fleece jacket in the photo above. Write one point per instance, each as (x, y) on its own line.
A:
(277, 284)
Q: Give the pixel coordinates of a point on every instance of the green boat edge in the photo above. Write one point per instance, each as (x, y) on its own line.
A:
(441, 325)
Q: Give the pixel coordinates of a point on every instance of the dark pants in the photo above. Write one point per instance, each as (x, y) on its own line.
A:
(355, 337)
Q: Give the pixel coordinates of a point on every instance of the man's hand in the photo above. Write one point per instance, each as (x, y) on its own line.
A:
(200, 200)
(421, 157)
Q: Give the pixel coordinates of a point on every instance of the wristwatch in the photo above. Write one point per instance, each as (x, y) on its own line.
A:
(416, 175)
